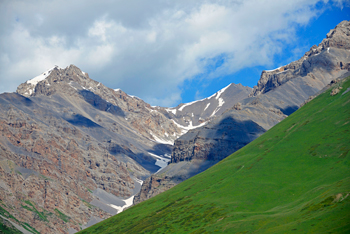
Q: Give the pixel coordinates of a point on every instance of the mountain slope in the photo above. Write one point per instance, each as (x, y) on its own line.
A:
(74, 152)
(77, 151)
(195, 113)
(278, 94)
(294, 178)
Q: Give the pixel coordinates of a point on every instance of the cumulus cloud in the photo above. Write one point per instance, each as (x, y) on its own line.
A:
(146, 48)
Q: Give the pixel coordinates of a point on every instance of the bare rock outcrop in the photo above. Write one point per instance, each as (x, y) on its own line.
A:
(329, 55)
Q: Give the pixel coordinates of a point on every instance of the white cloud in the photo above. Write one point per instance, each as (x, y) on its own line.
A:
(148, 50)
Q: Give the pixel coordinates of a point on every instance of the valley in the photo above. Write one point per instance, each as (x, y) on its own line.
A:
(74, 152)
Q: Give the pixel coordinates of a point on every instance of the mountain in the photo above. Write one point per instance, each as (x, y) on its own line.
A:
(197, 113)
(74, 152)
(278, 94)
(292, 179)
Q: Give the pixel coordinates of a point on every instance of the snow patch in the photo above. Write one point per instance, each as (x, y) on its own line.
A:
(171, 110)
(161, 161)
(207, 106)
(216, 95)
(41, 77)
(162, 141)
(221, 92)
(328, 50)
(116, 90)
(189, 127)
(188, 104)
(274, 69)
(133, 96)
(221, 102)
(128, 202)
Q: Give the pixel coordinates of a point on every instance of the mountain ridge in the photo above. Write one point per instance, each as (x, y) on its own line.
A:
(277, 95)
(291, 179)
(74, 152)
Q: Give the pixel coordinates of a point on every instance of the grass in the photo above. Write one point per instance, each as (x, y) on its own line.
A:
(62, 216)
(4, 229)
(42, 215)
(293, 179)
(7, 229)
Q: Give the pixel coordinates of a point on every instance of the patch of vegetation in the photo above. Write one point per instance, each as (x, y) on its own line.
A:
(18, 172)
(286, 181)
(6, 214)
(41, 215)
(26, 226)
(7, 228)
(62, 216)
(86, 203)
(30, 228)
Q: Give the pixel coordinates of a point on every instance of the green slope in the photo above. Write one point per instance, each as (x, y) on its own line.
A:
(293, 179)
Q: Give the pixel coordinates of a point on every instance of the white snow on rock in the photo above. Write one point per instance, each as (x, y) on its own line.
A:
(128, 202)
(221, 91)
(274, 69)
(207, 106)
(133, 96)
(41, 77)
(171, 110)
(162, 141)
(161, 161)
(188, 104)
(221, 102)
(189, 127)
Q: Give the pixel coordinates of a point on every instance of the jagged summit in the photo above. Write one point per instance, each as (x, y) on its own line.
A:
(41, 77)
(73, 84)
(195, 114)
(317, 62)
(47, 82)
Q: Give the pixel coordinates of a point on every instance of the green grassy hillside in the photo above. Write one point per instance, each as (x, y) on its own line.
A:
(293, 179)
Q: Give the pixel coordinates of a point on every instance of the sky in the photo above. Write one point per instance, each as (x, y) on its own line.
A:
(164, 51)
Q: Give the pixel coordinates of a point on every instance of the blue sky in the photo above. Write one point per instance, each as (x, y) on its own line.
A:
(306, 36)
(165, 52)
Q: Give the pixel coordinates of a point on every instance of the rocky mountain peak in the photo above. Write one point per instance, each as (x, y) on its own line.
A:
(54, 80)
(328, 52)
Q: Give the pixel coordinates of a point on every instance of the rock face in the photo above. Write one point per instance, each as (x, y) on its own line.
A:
(212, 142)
(278, 94)
(72, 82)
(72, 150)
(194, 114)
(319, 62)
